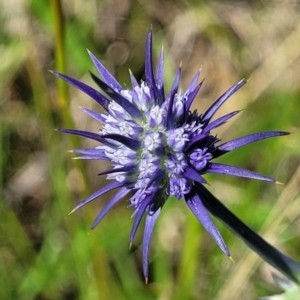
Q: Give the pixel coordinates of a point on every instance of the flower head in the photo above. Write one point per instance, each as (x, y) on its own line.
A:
(157, 146)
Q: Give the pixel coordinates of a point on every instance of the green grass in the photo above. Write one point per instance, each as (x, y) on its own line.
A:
(46, 253)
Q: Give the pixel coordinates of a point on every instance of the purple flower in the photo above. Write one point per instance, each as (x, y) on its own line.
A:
(157, 146)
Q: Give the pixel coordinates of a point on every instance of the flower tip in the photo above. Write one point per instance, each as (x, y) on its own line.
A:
(55, 73)
(146, 280)
(244, 80)
(232, 260)
(70, 151)
(130, 245)
(278, 182)
(71, 211)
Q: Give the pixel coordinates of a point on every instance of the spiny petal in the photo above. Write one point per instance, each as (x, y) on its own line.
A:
(217, 104)
(149, 225)
(114, 200)
(126, 141)
(94, 115)
(91, 157)
(192, 96)
(106, 75)
(121, 169)
(91, 154)
(235, 171)
(170, 121)
(170, 115)
(132, 110)
(102, 100)
(196, 206)
(245, 140)
(220, 121)
(149, 67)
(193, 83)
(192, 174)
(160, 78)
(176, 81)
(90, 135)
(89, 151)
(139, 214)
(160, 70)
(107, 188)
(134, 82)
(195, 140)
(156, 178)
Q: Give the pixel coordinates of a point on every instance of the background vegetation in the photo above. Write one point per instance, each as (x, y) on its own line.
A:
(46, 254)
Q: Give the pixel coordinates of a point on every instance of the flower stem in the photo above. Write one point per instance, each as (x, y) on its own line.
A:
(266, 251)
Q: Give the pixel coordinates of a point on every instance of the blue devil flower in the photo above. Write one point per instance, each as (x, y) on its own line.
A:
(157, 146)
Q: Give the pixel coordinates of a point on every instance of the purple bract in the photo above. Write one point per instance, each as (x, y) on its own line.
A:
(158, 147)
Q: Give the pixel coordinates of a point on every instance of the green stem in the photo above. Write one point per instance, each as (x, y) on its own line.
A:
(60, 62)
(62, 87)
(189, 259)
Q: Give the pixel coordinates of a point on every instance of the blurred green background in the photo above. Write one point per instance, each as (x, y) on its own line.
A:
(46, 253)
